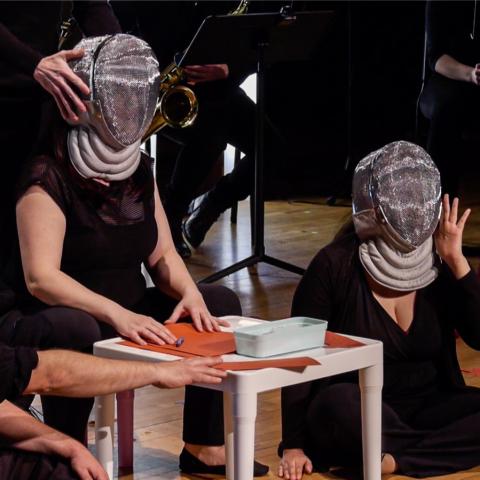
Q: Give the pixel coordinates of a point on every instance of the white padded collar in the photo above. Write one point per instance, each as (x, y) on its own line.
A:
(94, 159)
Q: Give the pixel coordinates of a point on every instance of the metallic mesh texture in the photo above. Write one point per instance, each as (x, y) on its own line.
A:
(403, 181)
(124, 83)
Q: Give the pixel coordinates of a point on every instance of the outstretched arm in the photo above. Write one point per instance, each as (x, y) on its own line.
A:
(72, 374)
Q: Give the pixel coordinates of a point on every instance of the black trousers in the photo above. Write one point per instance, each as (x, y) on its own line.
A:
(230, 118)
(439, 436)
(450, 106)
(63, 327)
(20, 465)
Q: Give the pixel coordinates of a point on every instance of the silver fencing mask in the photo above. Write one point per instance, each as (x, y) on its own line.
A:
(123, 76)
(396, 208)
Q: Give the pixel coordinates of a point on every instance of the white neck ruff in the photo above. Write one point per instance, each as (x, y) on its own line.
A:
(94, 159)
(396, 270)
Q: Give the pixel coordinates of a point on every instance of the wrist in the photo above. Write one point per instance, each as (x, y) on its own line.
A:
(470, 75)
(458, 264)
(111, 313)
(62, 445)
(290, 450)
(191, 291)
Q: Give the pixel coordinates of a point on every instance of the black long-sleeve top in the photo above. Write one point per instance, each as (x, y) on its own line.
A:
(416, 363)
(29, 31)
(16, 365)
(453, 29)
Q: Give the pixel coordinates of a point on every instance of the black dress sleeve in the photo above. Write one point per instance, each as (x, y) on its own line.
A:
(45, 173)
(16, 365)
(313, 298)
(96, 18)
(17, 53)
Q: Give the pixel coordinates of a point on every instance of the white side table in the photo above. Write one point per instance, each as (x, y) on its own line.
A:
(240, 391)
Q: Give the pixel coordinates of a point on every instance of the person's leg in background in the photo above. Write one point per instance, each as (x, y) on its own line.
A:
(236, 185)
(57, 327)
(202, 143)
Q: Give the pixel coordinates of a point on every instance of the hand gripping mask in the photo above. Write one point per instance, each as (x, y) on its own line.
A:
(396, 208)
(123, 76)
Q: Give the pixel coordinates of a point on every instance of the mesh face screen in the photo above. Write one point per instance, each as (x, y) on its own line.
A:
(124, 81)
(402, 179)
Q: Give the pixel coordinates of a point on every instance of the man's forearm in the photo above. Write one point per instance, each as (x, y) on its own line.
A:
(26, 433)
(453, 69)
(65, 373)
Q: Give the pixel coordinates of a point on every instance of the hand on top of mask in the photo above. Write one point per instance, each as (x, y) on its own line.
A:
(448, 237)
(57, 78)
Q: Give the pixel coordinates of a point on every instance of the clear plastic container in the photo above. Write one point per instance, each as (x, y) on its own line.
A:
(280, 336)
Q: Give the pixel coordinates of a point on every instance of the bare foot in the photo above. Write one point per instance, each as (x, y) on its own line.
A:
(210, 455)
(389, 465)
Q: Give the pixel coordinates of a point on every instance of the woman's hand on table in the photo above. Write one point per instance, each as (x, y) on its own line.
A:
(294, 464)
(141, 329)
(193, 305)
(448, 237)
(193, 370)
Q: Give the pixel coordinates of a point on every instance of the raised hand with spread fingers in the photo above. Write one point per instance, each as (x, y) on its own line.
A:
(448, 237)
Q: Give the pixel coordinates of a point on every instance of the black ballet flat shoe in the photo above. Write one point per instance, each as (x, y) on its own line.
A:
(190, 464)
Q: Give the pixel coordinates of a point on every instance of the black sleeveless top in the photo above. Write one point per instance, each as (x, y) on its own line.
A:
(110, 230)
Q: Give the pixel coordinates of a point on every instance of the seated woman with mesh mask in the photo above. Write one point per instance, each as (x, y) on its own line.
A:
(397, 275)
(88, 216)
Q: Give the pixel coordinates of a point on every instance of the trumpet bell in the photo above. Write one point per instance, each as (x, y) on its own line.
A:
(179, 106)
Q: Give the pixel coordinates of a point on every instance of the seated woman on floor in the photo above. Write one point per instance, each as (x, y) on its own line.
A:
(89, 214)
(397, 275)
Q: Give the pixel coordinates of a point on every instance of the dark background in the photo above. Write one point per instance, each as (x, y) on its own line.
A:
(375, 46)
(308, 101)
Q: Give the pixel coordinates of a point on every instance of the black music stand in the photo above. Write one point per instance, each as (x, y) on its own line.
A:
(258, 39)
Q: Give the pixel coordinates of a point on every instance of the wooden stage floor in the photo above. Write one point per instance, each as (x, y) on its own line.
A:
(295, 231)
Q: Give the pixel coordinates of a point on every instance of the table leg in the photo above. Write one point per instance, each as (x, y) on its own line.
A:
(104, 431)
(371, 382)
(229, 436)
(244, 406)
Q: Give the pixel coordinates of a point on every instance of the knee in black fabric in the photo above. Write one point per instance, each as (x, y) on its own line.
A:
(71, 328)
(334, 425)
(337, 404)
(220, 300)
(16, 464)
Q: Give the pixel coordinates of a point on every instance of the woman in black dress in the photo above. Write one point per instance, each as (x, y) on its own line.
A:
(88, 215)
(367, 282)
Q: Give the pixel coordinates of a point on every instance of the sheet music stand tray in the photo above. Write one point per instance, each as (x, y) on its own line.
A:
(259, 40)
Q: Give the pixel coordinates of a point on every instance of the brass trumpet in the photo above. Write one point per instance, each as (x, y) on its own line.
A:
(177, 105)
